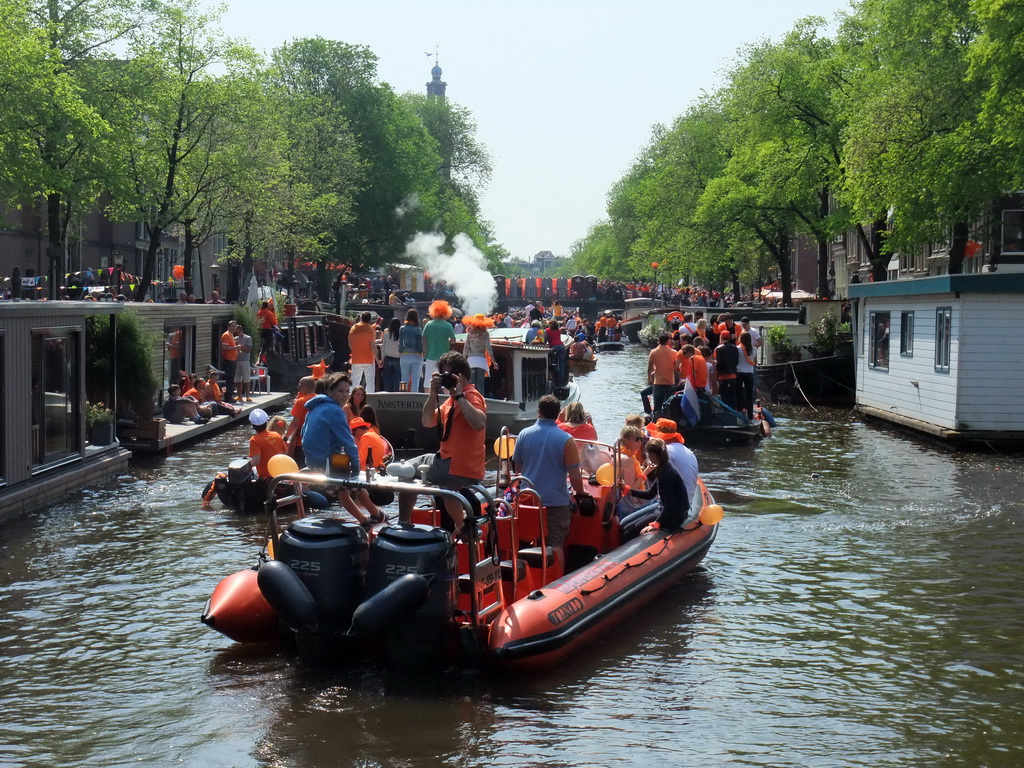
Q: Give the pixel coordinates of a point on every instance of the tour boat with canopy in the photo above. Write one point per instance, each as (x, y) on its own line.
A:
(524, 374)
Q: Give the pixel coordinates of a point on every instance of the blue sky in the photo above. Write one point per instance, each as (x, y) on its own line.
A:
(565, 93)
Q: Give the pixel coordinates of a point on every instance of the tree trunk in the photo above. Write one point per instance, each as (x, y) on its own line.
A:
(187, 256)
(961, 233)
(879, 251)
(55, 244)
(149, 265)
(785, 268)
(823, 248)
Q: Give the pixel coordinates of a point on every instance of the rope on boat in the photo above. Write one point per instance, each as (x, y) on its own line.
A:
(606, 579)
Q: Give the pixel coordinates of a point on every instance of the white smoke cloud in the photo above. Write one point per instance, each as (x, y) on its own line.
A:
(407, 206)
(464, 270)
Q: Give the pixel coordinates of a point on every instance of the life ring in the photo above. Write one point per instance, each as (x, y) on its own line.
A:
(673, 317)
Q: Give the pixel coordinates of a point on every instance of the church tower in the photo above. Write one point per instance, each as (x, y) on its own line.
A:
(436, 86)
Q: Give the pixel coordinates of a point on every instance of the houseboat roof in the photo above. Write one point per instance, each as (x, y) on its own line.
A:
(987, 282)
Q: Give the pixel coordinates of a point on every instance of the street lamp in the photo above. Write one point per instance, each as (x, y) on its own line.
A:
(654, 267)
(118, 267)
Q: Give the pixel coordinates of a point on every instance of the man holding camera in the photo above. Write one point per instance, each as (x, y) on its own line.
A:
(461, 421)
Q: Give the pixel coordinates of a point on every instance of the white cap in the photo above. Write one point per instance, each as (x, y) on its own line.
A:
(258, 417)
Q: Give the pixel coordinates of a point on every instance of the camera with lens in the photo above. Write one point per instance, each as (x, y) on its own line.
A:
(449, 380)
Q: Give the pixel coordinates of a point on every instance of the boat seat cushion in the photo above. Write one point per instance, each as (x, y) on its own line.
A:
(535, 556)
(507, 574)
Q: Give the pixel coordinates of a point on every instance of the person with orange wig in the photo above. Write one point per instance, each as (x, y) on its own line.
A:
(478, 348)
(438, 335)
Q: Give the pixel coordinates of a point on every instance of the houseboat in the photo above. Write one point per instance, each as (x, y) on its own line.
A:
(46, 376)
(932, 355)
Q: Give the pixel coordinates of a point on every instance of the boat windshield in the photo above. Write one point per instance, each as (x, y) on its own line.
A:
(593, 455)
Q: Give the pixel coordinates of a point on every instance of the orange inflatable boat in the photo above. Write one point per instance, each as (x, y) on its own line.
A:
(412, 594)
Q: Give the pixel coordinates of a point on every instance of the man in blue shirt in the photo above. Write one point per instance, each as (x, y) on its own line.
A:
(550, 458)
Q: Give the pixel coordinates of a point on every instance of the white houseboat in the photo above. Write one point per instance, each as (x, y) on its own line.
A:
(939, 355)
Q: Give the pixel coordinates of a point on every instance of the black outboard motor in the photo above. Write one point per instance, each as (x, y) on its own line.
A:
(329, 557)
(240, 488)
(425, 634)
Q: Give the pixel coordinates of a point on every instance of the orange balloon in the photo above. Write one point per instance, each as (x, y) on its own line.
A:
(605, 475)
(654, 265)
(179, 272)
(504, 446)
(281, 464)
(712, 515)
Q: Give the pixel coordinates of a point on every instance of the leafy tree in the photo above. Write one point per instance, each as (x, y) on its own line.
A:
(54, 130)
(915, 145)
(178, 115)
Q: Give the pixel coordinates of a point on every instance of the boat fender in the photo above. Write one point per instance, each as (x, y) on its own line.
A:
(286, 593)
(397, 601)
(402, 470)
(210, 491)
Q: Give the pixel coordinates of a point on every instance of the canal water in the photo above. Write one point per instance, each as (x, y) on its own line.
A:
(861, 606)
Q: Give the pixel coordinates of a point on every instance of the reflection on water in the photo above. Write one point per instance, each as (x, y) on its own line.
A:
(861, 606)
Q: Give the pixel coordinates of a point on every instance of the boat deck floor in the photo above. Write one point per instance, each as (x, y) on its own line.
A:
(179, 434)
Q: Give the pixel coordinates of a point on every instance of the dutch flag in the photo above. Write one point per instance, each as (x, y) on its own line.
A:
(690, 404)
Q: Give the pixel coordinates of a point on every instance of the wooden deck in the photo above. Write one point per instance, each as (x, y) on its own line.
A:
(180, 434)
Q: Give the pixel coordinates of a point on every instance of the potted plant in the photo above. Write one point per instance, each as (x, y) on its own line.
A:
(825, 335)
(783, 347)
(99, 420)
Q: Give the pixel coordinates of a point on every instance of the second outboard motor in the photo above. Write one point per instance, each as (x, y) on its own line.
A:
(329, 557)
(240, 489)
(400, 550)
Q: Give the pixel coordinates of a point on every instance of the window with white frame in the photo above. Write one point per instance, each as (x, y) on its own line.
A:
(906, 334)
(943, 336)
(878, 330)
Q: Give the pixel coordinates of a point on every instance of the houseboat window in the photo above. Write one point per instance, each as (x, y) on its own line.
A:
(879, 330)
(943, 335)
(907, 334)
(56, 370)
(179, 352)
(1013, 231)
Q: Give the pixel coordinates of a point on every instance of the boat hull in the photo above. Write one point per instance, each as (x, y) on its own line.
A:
(581, 365)
(544, 628)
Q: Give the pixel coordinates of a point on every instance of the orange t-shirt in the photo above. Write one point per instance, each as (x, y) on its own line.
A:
(371, 441)
(683, 365)
(698, 371)
(299, 417)
(228, 346)
(663, 359)
(465, 445)
(266, 444)
(360, 341)
(267, 318)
